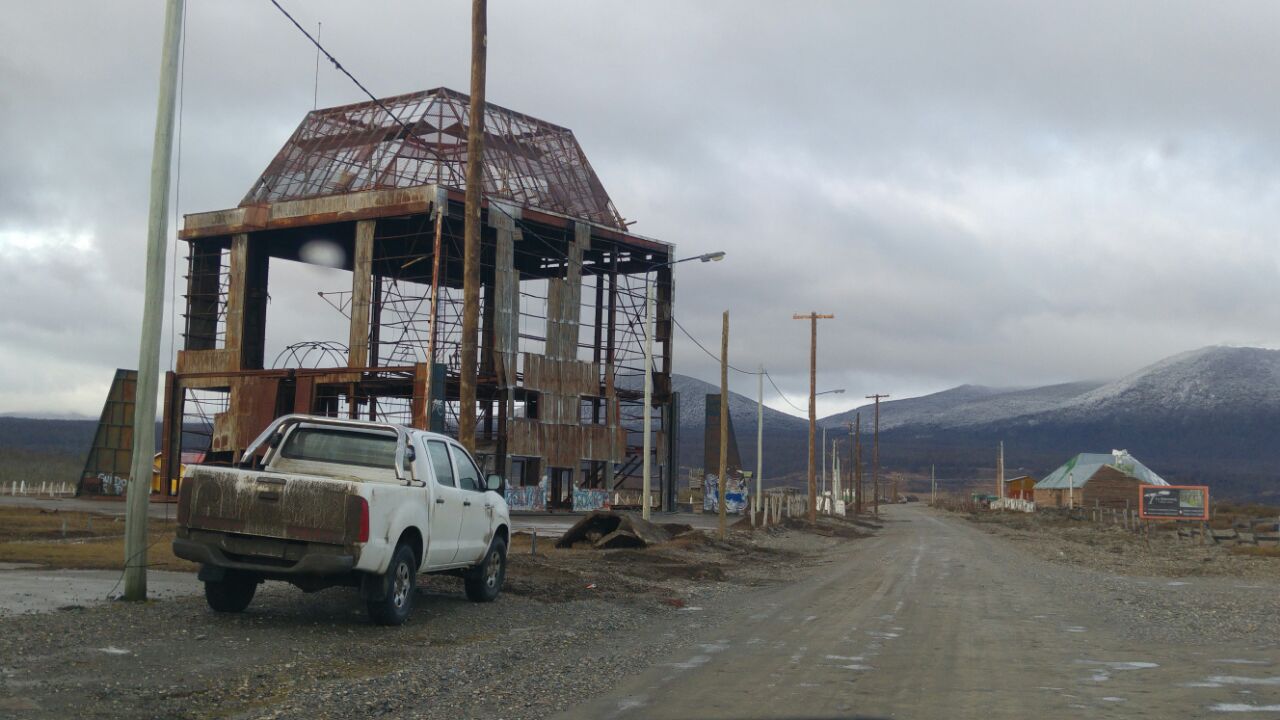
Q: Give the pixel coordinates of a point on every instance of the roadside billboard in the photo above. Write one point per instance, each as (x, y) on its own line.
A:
(1173, 502)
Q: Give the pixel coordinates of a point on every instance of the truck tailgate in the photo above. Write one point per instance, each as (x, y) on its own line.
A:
(264, 504)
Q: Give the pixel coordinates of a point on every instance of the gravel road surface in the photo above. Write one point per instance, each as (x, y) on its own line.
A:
(571, 625)
(935, 618)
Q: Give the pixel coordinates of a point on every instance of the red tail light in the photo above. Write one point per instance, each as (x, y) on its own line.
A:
(364, 521)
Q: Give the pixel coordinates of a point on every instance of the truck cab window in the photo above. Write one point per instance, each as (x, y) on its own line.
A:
(344, 447)
(468, 475)
(440, 462)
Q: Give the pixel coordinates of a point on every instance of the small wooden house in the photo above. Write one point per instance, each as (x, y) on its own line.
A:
(1096, 479)
(1020, 488)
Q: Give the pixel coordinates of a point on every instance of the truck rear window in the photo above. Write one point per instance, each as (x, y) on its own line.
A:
(341, 446)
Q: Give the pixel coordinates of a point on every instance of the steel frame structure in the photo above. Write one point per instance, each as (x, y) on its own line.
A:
(562, 300)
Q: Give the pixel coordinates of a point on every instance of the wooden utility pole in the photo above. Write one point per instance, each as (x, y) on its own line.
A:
(857, 461)
(144, 408)
(813, 319)
(855, 475)
(875, 455)
(933, 485)
(723, 485)
(467, 370)
(1000, 472)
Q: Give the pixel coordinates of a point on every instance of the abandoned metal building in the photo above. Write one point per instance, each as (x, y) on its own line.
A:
(562, 299)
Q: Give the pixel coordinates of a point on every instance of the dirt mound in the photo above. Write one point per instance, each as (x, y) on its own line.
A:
(606, 529)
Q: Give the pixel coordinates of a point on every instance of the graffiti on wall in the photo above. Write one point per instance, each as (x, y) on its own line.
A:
(736, 496)
(737, 484)
(526, 497)
(587, 499)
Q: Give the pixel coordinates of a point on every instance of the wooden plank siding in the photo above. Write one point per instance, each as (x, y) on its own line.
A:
(1108, 488)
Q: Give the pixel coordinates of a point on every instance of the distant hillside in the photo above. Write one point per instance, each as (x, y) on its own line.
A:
(1207, 416)
(1210, 415)
(966, 405)
(71, 437)
(785, 450)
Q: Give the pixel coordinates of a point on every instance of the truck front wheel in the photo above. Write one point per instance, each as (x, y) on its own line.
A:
(484, 581)
(231, 594)
(397, 588)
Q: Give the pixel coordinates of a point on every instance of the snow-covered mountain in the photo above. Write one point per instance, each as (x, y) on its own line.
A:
(966, 405)
(1207, 416)
(1213, 379)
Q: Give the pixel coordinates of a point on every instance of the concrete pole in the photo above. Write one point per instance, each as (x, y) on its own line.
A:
(471, 231)
(824, 461)
(759, 441)
(648, 398)
(724, 421)
(144, 409)
(837, 489)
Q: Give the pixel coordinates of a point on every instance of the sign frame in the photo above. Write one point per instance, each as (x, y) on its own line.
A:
(1145, 515)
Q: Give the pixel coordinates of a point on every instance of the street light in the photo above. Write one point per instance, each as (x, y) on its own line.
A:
(648, 377)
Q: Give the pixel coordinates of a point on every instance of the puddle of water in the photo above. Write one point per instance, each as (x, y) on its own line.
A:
(1127, 665)
(1239, 680)
(1113, 699)
(1238, 661)
(857, 666)
(693, 662)
(850, 658)
(1243, 707)
(1075, 629)
(113, 650)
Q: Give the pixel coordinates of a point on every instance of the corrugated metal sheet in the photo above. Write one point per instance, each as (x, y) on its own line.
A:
(1077, 471)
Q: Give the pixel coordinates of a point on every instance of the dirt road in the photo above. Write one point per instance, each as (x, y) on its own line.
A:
(937, 619)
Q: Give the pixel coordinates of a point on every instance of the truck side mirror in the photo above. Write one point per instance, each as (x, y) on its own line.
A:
(493, 482)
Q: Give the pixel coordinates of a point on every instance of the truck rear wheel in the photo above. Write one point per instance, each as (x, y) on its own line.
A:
(484, 581)
(231, 594)
(398, 584)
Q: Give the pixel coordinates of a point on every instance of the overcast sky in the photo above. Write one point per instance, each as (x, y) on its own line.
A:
(997, 193)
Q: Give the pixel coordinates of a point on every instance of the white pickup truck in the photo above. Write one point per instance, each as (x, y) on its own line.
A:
(319, 502)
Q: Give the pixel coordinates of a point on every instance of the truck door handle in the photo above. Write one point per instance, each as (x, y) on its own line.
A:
(439, 501)
(466, 503)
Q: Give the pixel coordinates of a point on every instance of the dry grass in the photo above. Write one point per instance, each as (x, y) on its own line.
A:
(1255, 551)
(80, 540)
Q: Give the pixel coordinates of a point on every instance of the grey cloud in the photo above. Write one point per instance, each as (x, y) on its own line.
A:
(981, 191)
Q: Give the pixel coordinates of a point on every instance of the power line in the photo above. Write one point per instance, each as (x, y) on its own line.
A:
(715, 357)
(710, 354)
(338, 66)
(781, 394)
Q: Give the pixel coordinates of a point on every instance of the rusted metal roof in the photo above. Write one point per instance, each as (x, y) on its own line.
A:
(423, 141)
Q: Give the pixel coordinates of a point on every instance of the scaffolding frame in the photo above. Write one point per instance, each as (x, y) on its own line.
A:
(561, 359)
